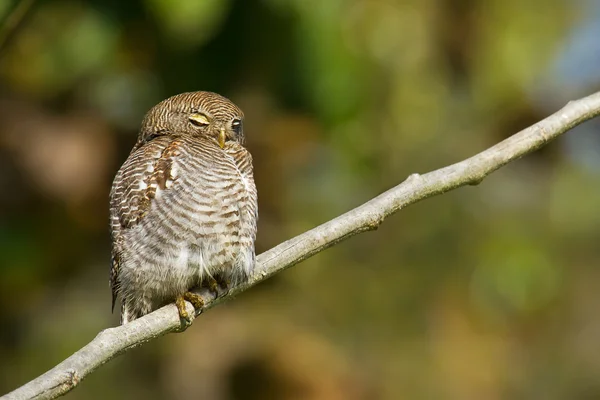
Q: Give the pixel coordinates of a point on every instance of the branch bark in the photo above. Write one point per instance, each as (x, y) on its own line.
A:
(112, 342)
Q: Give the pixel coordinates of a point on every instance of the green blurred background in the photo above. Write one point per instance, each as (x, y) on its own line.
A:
(487, 292)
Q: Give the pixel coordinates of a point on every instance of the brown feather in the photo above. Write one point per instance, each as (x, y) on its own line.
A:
(182, 208)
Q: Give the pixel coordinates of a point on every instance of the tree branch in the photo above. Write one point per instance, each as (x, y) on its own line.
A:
(114, 341)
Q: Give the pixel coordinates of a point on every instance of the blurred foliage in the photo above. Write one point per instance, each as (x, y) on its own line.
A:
(484, 293)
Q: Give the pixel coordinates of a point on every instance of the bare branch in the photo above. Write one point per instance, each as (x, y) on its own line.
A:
(114, 341)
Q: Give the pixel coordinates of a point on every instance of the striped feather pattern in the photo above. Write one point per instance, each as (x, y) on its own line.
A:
(182, 208)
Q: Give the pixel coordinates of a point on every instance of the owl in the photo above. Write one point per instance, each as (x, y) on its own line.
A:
(183, 206)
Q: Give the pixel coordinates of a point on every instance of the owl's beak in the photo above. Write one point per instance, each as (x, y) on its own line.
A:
(222, 137)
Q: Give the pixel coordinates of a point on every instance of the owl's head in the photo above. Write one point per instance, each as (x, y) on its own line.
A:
(196, 114)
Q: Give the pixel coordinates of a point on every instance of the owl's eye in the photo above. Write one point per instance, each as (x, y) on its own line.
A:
(198, 119)
(236, 125)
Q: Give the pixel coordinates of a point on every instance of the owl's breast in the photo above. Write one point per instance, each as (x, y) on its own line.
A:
(196, 218)
(194, 215)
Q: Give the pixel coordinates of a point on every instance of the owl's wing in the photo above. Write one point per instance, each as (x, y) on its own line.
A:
(147, 169)
(249, 214)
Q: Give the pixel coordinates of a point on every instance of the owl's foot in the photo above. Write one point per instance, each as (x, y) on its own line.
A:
(223, 284)
(213, 286)
(193, 298)
(218, 286)
(183, 314)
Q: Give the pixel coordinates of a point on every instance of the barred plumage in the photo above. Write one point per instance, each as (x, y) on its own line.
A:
(183, 207)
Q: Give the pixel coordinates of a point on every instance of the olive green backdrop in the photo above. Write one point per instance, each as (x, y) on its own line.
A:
(488, 292)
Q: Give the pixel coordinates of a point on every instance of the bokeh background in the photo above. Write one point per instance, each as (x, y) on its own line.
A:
(487, 292)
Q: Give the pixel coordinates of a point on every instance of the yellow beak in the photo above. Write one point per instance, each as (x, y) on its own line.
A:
(222, 138)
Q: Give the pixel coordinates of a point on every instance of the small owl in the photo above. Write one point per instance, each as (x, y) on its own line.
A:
(183, 207)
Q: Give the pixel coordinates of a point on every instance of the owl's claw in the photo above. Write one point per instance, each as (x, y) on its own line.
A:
(193, 298)
(213, 286)
(224, 285)
(183, 314)
(218, 286)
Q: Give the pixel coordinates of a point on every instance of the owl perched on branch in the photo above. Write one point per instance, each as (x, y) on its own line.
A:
(183, 207)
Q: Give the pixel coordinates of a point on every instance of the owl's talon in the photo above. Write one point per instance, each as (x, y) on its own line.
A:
(183, 314)
(195, 299)
(213, 286)
(223, 285)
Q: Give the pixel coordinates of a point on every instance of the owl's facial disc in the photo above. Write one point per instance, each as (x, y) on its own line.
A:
(219, 128)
